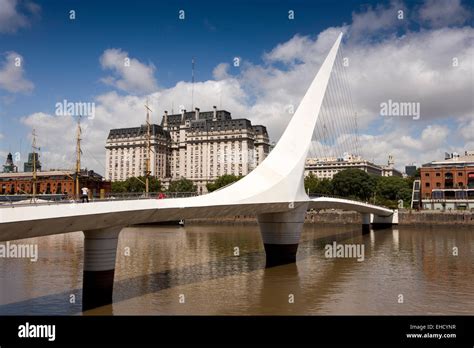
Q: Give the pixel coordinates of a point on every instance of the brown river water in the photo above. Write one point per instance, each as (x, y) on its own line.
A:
(193, 270)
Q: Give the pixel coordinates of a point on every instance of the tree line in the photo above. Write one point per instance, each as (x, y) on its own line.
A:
(349, 183)
(359, 185)
(137, 184)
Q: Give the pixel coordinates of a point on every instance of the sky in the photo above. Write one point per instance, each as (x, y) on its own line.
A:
(116, 55)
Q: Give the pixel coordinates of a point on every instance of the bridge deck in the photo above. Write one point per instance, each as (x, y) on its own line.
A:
(18, 222)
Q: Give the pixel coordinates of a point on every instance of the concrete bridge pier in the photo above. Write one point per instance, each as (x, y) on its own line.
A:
(366, 219)
(281, 233)
(379, 222)
(100, 250)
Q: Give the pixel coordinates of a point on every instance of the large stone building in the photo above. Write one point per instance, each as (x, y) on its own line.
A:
(199, 146)
(126, 152)
(327, 167)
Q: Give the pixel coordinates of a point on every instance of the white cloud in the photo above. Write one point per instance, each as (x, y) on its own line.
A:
(378, 20)
(439, 13)
(416, 68)
(11, 16)
(56, 134)
(406, 149)
(12, 76)
(290, 51)
(467, 129)
(130, 74)
(55, 137)
(221, 71)
(434, 135)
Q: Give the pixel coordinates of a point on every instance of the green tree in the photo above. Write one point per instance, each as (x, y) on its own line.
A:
(412, 178)
(313, 185)
(182, 185)
(118, 186)
(354, 183)
(325, 186)
(222, 181)
(392, 188)
(135, 184)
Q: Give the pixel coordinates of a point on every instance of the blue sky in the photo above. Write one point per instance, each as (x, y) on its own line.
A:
(61, 57)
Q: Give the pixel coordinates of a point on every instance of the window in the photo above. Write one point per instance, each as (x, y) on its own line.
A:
(438, 174)
(427, 184)
(459, 173)
(449, 194)
(427, 174)
(448, 180)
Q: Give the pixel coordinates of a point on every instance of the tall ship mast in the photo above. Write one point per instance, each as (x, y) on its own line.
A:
(78, 155)
(34, 148)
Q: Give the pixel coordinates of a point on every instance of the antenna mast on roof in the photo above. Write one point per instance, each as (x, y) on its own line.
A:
(357, 135)
(192, 82)
(148, 146)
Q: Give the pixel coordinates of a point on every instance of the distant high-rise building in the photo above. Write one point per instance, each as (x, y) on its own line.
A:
(410, 170)
(9, 166)
(28, 166)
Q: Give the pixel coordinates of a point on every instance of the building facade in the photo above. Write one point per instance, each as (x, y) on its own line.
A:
(126, 152)
(448, 184)
(33, 162)
(327, 167)
(410, 170)
(199, 146)
(9, 166)
(52, 182)
(389, 169)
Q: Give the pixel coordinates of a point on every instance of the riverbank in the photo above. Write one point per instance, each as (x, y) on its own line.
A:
(337, 217)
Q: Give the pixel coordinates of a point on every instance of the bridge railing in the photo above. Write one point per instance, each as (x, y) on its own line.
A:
(151, 195)
(48, 199)
(352, 199)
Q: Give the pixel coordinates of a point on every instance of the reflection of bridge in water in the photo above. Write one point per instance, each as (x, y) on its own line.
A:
(247, 273)
(274, 192)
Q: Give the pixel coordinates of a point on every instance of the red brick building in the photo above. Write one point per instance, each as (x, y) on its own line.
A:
(448, 184)
(52, 182)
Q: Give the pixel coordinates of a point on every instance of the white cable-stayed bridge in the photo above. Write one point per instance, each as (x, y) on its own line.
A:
(274, 192)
